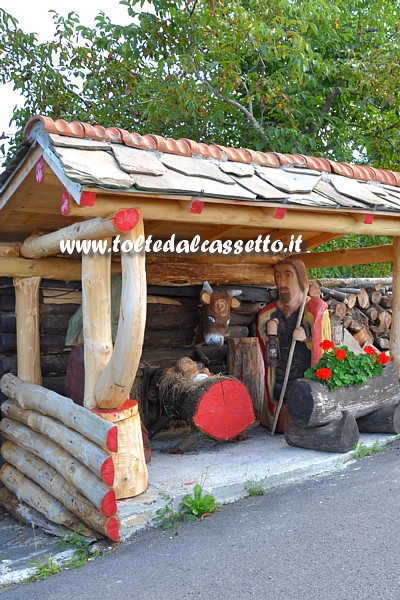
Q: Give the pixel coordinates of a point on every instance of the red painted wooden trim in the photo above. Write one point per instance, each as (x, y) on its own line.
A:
(369, 219)
(88, 199)
(112, 439)
(112, 529)
(225, 410)
(40, 170)
(126, 219)
(65, 204)
(196, 208)
(109, 504)
(107, 471)
(280, 213)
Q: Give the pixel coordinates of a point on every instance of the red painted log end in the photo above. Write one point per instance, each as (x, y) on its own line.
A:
(88, 199)
(107, 471)
(109, 504)
(112, 439)
(126, 219)
(225, 410)
(112, 529)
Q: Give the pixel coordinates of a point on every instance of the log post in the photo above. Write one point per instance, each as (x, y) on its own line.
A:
(28, 339)
(245, 363)
(395, 328)
(131, 476)
(96, 311)
(115, 382)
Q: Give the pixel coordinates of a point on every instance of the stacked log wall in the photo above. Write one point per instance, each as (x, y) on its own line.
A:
(58, 459)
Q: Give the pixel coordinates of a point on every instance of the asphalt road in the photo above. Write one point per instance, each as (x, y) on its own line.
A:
(328, 538)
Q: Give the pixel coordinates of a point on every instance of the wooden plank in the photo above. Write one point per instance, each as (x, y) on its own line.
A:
(347, 257)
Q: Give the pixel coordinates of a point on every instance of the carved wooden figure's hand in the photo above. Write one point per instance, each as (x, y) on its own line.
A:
(299, 334)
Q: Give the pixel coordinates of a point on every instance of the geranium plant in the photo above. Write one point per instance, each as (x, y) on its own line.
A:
(340, 367)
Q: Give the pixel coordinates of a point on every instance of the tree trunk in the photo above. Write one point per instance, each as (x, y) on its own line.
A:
(385, 420)
(339, 436)
(245, 363)
(311, 404)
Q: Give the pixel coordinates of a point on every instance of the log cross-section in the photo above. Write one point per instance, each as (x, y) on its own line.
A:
(114, 384)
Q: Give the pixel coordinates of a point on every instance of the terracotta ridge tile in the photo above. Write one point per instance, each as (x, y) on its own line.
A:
(188, 147)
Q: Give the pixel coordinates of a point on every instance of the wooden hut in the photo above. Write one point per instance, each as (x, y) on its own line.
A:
(76, 182)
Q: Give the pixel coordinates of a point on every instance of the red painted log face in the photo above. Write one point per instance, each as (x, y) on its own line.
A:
(109, 504)
(126, 219)
(107, 471)
(112, 528)
(225, 410)
(112, 439)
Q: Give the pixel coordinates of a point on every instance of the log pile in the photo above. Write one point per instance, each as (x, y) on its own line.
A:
(364, 310)
(58, 458)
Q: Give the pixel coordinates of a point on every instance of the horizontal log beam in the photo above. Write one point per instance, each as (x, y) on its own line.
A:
(10, 249)
(347, 257)
(92, 487)
(94, 229)
(35, 397)
(91, 455)
(244, 214)
(48, 478)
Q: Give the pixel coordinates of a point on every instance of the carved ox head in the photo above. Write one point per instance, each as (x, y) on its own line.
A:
(217, 308)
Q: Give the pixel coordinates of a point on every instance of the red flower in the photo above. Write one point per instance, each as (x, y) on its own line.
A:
(340, 354)
(383, 358)
(323, 373)
(370, 350)
(327, 345)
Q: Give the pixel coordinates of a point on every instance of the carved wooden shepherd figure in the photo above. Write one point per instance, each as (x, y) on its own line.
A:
(277, 322)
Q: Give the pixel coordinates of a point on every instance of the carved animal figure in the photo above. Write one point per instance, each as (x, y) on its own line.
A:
(217, 308)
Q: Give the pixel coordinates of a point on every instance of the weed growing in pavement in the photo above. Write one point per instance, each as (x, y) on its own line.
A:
(196, 506)
(82, 554)
(361, 450)
(255, 490)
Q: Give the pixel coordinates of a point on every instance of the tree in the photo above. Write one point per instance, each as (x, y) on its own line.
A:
(310, 77)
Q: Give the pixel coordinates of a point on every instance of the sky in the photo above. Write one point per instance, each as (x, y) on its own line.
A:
(34, 16)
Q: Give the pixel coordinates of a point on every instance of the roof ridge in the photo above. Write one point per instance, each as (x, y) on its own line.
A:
(187, 147)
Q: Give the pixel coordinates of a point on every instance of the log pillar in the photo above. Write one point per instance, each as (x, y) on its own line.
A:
(96, 315)
(114, 384)
(28, 339)
(131, 477)
(395, 327)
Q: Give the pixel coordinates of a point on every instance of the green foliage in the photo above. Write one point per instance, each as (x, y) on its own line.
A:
(45, 568)
(82, 553)
(192, 507)
(304, 77)
(361, 450)
(255, 490)
(353, 369)
(198, 505)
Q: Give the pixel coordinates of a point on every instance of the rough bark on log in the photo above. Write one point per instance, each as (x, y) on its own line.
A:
(48, 479)
(385, 420)
(80, 419)
(31, 493)
(245, 363)
(91, 455)
(338, 436)
(92, 487)
(311, 404)
(23, 513)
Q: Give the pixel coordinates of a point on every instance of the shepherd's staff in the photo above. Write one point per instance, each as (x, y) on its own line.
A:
(289, 363)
